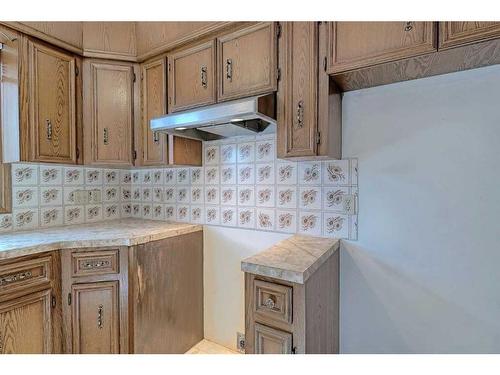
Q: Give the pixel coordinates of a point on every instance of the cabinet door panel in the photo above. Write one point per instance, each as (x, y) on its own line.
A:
(109, 113)
(246, 63)
(297, 96)
(191, 77)
(272, 341)
(26, 325)
(355, 45)
(52, 114)
(154, 94)
(452, 34)
(96, 318)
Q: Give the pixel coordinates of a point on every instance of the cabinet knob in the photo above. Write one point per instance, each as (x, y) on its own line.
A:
(270, 304)
(105, 136)
(99, 316)
(48, 125)
(408, 26)
(204, 77)
(156, 138)
(229, 69)
(300, 114)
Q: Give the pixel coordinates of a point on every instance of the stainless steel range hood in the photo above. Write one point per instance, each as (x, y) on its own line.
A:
(228, 119)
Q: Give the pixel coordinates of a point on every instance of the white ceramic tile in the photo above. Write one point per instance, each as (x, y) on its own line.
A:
(309, 173)
(111, 194)
(286, 173)
(136, 193)
(169, 174)
(157, 194)
(286, 196)
(265, 219)
(333, 196)
(246, 174)
(6, 224)
(228, 174)
(25, 218)
(228, 195)
(335, 225)
(336, 172)
(265, 150)
(147, 195)
(125, 193)
(354, 171)
(228, 216)
(246, 195)
(246, 152)
(197, 214)
(170, 194)
(51, 216)
(111, 211)
(265, 196)
(74, 215)
(126, 210)
(169, 211)
(183, 195)
(111, 177)
(93, 176)
(25, 196)
(228, 154)
(212, 175)
(211, 154)
(286, 221)
(68, 194)
(136, 210)
(265, 173)
(145, 177)
(309, 223)
(310, 198)
(136, 177)
(158, 211)
(25, 174)
(157, 177)
(183, 213)
(93, 213)
(212, 215)
(125, 177)
(51, 196)
(50, 175)
(197, 176)
(182, 176)
(246, 217)
(212, 195)
(73, 176)
(146, 211)
(197, 194)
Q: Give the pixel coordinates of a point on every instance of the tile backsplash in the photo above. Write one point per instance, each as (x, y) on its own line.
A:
(241, 184)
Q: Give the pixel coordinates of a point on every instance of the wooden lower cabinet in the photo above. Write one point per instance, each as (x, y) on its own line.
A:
(272, 341)
(96, 318)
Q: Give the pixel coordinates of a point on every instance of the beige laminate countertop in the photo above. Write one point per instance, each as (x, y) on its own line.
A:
(294, 259)
(123, 232)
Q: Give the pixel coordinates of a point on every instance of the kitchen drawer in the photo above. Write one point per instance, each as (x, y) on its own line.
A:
(272, 341)
(273, 301)
(91, 263)
(24, 275)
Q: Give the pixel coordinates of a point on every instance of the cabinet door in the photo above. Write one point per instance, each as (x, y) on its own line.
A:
(246, 62)
(154, 96)
(108, 112)
(297, 94)
(354, 45)
(452, 34)
(191, 77)
(26, 325)
(95, 318)
(272, 341)
(52, 113)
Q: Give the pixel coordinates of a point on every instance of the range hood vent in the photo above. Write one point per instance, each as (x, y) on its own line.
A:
(228, 119)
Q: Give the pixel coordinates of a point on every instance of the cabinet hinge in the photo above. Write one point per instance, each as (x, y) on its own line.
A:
(318, 138)
(78, 153)
(278, 30)
(53, 301)
(324, 63)
(278, 74)
(134, 78)
(169, 67)
(77, 71)
(134, 155)
(69, 299)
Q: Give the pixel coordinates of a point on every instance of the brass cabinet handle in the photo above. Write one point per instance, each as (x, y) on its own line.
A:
(95, 264)
(270, 304)
(204, 77)
(9, 279)
(229, 69)
(99, 316)
(156, 137)
(105, 135)
(300, 114)
(408, 26)
(49, 129)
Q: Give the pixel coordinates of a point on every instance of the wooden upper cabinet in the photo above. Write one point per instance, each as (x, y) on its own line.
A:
(96, 318)
(191, 77)
(246, 62)
(108, 112)
(452, 34)
(49, 129)
(110, 40)
(354, 45)
(154, 104)
(297, 94)
(26, 324)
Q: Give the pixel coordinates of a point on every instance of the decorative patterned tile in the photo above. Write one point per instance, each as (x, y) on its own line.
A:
(73, 176)
(111, 194)
(74, 215)
(136, 193)
(228, 195)
(170, 194)
(309, 173)
(146, 211)
(265, 150)
(197, 214)
(246, 196)
(212, 195)
(246, 174)
(197, 176)
(310, 198)
(335, 225)
(265, 196)
(111, 177)
(158, 211)
(182, 176)
(157, 194)
(125, 177)
(126, 210)
(51, 196)
(169, 211)
(212, 175)
(309, 223)
(145, 177)
(265, 173)
(50, 175)
(286, 196)
(265, 219)
(212, 215)
(211, 154)
(286, 173)
(183, 195)
(169, 174)
(228, 174)
(197, 194)
(183, 213)
(246, 217)
(136, 210)
(336, 172)
(26, 218)
(69, 194)
(157, 176)
(228, 154)
(51, 216)
(136, 177)
(25, 174)
(333, 196)
(93, 213)
(146, 195)
(25, 196)
(93, 176)
(6, 224)
(126, 193)
(228, 216)
(246, 152)
(286, 221)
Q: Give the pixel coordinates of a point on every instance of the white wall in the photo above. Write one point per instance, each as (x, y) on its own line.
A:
(424, 275)
(224, 293)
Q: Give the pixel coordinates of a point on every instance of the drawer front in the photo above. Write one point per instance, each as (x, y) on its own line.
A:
(272, 341)
(25, 275)
(95, 263)
(273, 301)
